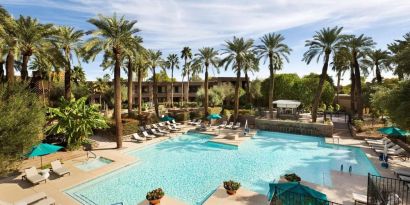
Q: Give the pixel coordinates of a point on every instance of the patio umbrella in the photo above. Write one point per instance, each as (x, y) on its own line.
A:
(292, 188)
(167, 118)
(43, 149)
(393, 131)
(214, 117)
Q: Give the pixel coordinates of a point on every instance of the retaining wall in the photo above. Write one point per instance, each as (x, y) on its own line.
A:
(295, 127)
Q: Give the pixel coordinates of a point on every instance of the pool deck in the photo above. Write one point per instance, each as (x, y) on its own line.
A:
(13, 188)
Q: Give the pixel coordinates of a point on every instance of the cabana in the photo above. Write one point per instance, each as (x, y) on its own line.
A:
(287, 109)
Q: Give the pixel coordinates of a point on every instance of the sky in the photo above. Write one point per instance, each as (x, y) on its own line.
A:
(169, 25)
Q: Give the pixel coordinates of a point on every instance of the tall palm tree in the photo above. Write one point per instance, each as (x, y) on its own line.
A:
(358, 47)
(400, 60)
(44, 67)
(100, 87)
(171, 63)
(154, 60)
(341, 63)
(274, 49)
(67, 40)
(236, 51)
(186, 54)
(206, 57)
(142, 68)
(324, 42)
(78, 75)
(9, 33)
(112, 34)
(32, 37)
(379, 61)
(251, 65)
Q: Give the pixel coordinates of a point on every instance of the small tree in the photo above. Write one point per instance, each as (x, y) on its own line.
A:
(76, 120)
(21, 119)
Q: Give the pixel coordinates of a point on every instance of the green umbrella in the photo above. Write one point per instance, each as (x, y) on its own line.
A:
(43, 149)
(292, 188)
(393, 131)
(214, 117)
(167, 118)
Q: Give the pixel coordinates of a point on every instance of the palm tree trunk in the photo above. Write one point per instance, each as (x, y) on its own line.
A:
(271, 86)
(339, 75)
(187, 87)
(318, 94)
(378, 74)
(183, 92)
(358, 87)
(129, 93)
(10, 66)
(67, 76)
(117, 100)
(44, 94)
(238, 78)
(1, 70)
(139, 92)
(155, 87)
(24, 72)
(400, 75)
(206, 90)
(352, 90)
(172, 87)
(248, 91)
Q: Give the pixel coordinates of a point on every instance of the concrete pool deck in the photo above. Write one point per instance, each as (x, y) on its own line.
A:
(13, 188)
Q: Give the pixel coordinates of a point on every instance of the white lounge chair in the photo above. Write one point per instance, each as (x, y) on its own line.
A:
(137, 138)
(33, 176)
(238, 125)
(229, 126)
(403, 172)
(38, 198)
(197, 122)
(159, 129)
(176, 123)
(161, 124)
(392, 149)
(378, 142)
(359, 198)
(192, 122)
(142, 129)
(202, 127)
(173, 125)
(172, 129)
(390, 152)
(379, 146)
(224, 123)
(59, 169)
(147, 136)
(158, 134)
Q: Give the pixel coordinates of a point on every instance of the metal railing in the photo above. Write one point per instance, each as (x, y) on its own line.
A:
(293, 198)
(387, 191)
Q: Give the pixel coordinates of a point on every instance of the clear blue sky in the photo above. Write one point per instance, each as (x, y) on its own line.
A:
(169, 25)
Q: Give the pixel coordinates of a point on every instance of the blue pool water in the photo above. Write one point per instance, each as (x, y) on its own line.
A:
(190, 168)
(93, 164)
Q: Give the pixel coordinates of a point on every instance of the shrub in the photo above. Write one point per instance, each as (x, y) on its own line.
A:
(226, 114)
(181, 116)
(231, 185)
(21, 122)
(130, 126)
(292, 177)
(196, 114)
(359, 124)
(214, 110)
(155, 194)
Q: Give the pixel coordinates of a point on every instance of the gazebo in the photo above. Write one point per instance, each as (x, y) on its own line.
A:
(287, 109)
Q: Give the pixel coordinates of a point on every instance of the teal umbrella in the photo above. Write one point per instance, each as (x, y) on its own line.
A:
(43, 149)
(291, 189)
(393, 131)
(167, 118)
(214, 117)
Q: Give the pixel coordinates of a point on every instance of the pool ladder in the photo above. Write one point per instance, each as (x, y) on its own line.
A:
(92, 153)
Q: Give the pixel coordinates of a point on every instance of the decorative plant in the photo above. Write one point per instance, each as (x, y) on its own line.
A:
(232, 185)
(292, 177)
(155, 194)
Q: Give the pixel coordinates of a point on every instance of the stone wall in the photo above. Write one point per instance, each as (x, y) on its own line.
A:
(316, 129)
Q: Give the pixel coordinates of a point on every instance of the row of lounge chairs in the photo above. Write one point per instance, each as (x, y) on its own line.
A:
(230, 125)
(156, 130)
(378, 146)
(32, 174)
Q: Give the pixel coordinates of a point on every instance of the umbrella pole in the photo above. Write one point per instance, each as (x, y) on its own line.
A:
(41, 162)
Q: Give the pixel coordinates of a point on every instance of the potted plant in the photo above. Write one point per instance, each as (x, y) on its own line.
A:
(292, 177)
(231, 186)
(155, 196)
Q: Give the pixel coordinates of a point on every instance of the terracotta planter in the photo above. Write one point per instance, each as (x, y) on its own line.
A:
(154, 202)
(230, 192)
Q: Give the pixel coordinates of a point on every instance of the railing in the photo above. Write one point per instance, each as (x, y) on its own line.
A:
(293, 198)
(387, 191)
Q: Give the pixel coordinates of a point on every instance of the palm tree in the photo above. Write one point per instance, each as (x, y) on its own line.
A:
(358, 47)
(323, 44)
(171, 63)
(400, 60)
(186, 54)
(154, 60)
(67, 40)
(78, 75)
(44, 67)
(341, 63)
(100, 87)
(9, 33)
(274, 49)
(142, 66)
(132, 52)
(113, 34)
(378, 60)
(207, 56)
(32, 37)
(236, 51)
(251, 65)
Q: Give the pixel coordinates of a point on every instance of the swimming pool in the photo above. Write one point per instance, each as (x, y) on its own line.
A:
(189, 168)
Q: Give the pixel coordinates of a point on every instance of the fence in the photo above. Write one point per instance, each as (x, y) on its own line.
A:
(387, 191)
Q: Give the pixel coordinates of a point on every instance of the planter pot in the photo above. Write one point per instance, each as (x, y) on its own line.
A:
(230, 192)
(154, 202)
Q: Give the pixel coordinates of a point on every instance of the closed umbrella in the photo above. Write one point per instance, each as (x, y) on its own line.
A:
(43, 149)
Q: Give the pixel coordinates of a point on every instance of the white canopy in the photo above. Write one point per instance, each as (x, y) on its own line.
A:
(286, 103)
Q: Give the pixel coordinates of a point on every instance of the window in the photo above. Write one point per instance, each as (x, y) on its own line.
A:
(161, 89)
(144, 89)
(193, 89)
(176, 89)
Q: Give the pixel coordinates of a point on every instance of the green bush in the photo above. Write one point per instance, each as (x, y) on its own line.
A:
(292, 177)
(22, 119)
(181, 116)
(196, 114)
(232, 185)
(359, 124)
(214, 110)
(155, 194)
(130, 126)
(226, 114)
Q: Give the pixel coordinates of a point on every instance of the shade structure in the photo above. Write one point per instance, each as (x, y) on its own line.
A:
(393, 131)
(293, 188)
(167, 118)
(43, 149)
(214, 117)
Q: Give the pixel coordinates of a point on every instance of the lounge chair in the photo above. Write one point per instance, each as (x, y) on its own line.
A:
(142, 129)
(405, 178)
(159, 129)
(391, 149)
(147, 136)
(160, 124)
(37, 198)
(171, 129)
(59, 169)
(402, 172)
(192, 122)
(361, 198)
(238, 125)
(173, 125)
(390, 152)
(229, 126)
(158, 134)
(378, 146)
(176, 123)
(224, 123)
(33, 176)
(137, 138)
(202, 127)
(378, 142)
